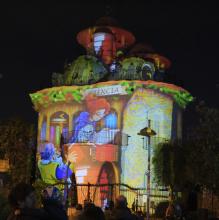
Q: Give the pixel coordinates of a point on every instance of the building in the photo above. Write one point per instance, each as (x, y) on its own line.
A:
(101, 102)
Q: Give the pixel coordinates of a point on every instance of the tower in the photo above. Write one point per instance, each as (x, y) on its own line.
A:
(104, 97)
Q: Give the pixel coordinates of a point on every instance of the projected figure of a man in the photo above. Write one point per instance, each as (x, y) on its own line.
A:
(85, 123)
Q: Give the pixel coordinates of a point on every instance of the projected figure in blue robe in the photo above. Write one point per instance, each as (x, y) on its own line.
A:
(51, 166)
(85, 123)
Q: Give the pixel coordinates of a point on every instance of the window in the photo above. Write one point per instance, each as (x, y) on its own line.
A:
(59, 122)
(43, 130)
(110, 121)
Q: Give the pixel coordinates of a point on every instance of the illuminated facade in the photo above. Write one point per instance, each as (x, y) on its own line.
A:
(102, 101)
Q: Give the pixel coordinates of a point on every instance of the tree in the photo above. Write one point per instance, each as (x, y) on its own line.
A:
(169, 165)
(195, 161)
(17, 145)
(203, 148)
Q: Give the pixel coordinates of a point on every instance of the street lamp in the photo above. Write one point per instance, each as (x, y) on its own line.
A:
(148, 132)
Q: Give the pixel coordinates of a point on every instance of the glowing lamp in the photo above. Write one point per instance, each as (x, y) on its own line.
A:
(148, 132)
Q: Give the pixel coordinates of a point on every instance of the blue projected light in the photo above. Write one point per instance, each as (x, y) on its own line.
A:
(111, 121)
(43, 131)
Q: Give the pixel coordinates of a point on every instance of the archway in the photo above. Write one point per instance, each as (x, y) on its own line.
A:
(59, 122)
(107, 175)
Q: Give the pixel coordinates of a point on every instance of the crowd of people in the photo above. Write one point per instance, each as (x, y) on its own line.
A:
(22, 199)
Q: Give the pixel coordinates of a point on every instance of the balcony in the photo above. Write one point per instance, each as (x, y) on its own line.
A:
(88, 153)
(99, 146)
(103, 137)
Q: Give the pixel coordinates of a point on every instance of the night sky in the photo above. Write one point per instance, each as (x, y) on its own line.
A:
(37, 39)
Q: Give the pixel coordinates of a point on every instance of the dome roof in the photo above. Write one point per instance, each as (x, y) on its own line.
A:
(132, 61)
(123, 38)
(161, 61)
(141, 48)
(145, 51)
(135, 68)
(85, 70)
(103, 30)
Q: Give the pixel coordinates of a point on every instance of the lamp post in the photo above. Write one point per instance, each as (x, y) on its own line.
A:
(148, 132)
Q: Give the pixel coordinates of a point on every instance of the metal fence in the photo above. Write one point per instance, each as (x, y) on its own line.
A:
(101, 194)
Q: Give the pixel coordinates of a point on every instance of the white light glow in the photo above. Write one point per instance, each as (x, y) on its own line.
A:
(81, 173)
(80, 179)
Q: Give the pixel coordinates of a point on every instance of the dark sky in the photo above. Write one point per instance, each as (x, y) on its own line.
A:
(37, 39)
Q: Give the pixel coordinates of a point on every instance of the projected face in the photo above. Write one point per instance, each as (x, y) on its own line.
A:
(98, 115)
(85, 134)
(85, 123)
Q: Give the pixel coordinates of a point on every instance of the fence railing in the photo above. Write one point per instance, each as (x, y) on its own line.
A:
(101, 194)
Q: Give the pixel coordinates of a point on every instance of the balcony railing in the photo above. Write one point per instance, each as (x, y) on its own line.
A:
(104, 136)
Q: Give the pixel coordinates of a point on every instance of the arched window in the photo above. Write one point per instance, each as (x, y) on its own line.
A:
(110, 121)
(59, 122)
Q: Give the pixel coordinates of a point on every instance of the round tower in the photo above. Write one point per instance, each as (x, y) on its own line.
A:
(97, 107)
